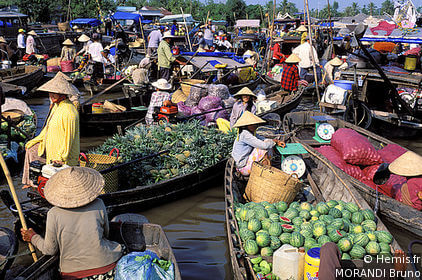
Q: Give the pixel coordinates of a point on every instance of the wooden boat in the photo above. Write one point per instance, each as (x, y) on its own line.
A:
(137, 237)
(10, 90)
(8, 247)
(28, 76)
(252, 84)
(393, 211)
(326, 185)
(309, 90)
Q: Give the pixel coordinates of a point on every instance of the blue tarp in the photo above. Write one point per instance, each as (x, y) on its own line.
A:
(127, 16)
(231, 55)
(86, 21)
(326, 24)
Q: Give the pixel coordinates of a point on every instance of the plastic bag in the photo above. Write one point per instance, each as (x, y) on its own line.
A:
(223, 114)
(219, 90)
(183, 109)
(390, 152)
(355, 148)
(209, 102)
(332, 155)
(211, 117)
(141, 266)
(195, 110)
(196, 93)
(229, 102)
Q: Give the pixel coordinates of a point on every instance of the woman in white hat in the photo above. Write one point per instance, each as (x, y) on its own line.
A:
(245, 102)
(82, 61)
(331, 67)
(77, 226)
(68, 51)
(30, 43)
(247, 147)
(58, 141)
(159, 98)
(165, 56)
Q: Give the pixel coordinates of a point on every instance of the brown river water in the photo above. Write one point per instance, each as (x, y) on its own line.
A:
(194, 225)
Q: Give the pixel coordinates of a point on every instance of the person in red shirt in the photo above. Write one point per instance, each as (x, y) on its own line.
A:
(278, 57)
(290, 74)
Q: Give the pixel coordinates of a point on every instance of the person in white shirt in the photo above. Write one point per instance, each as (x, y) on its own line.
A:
(154, 39)
(87, 41)
(21, 43)
(30, 43)
(304, 52)
(208, 37)
(98, 57)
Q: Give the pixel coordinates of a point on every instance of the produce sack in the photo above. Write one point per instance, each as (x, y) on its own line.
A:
(211, 117)
(354, 148)
(183, 109)
(390, 152)
(390, 187)
(143, 266)
(53, 69)
(332, 155)
(66, 66)
(195, 110)
(223, 114)
(209, 102)
(229, 102)
(196, 93)
(219, 90)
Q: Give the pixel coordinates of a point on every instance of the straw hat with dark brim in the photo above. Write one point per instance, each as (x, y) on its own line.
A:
(66, 77)
(245, 91)
(302, 28)
(68, 42)
(32, 32)
(293, 59)
(2, 40)
(161, 84)
(59, 85)
(335, 61)
(248, 118)
(74, 187)
(83, 38)
(408, 164)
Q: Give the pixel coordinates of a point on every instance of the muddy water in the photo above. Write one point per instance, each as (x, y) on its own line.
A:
(194, 225)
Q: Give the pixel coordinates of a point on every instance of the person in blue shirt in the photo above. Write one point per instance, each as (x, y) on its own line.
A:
(174, 28)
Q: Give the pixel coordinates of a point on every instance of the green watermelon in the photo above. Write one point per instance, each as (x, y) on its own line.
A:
(254, 225)
(261, 213)
(344, 244)
(361, 239)
(323, 239)
(385, 247)
(266, 252)
(335, 235)
(307, 233)
(284, 220)
(319, 230)
(371, 235)
(357, 229)
(314, 218)
(288, 228)
(250, 215)
(327, 219)
(297, 221)
(294, 204)
(306, 226)
(274, 217)
(275, 243)
(266, 223)
(265, 203)
(347, 224)
(305, 214)
(357, 252)
(291, 213)
(322, 208)
(251, 247)
(357, 218)
(261, 231)
(306, 206)
(373, 248)
(384, 236)
(368, 215)
(314, 213)
(332, 203)
(281, 206)
(346, 214)
(330, 228)
(341, 202)
(275, 229)
(243, 225)
(369, 225)
(352, 207)
(309, 243)
(242, 213)
(339, 207)
(345, 256)
(246, 234)
(351, 236)
(272, 211)
(285, 237)
(338, 223)
(297, 239)
(263, 239)
(334, 212)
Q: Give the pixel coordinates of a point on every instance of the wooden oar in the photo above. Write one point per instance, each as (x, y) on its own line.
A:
(18, 205)
(104, 91)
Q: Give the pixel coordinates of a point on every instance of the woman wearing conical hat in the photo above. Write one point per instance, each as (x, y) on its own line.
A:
(30, 43)
(77, 226)
(68, 51)
(245, 102)
(247, 147)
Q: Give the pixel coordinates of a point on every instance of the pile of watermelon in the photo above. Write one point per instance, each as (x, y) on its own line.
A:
(264, 227)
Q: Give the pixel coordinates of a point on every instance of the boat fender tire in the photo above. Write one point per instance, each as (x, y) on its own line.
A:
(364, 115)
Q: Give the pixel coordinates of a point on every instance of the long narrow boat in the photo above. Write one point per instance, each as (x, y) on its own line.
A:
(326, 185)
(137, 237)
(8, 247)
(28, 76)
(401, 215)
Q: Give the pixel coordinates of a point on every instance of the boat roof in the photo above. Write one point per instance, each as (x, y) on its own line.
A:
(397, 78)
(210, 60)
(4, 14)
(248, 23)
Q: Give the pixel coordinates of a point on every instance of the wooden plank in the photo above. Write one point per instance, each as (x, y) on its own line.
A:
(334, 106)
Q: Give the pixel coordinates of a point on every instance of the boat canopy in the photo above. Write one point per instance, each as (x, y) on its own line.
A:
(86, 21)
(248, 23)
(210, 59)
(179, 18)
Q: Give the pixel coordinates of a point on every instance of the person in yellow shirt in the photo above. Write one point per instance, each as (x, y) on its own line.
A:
(58, 141)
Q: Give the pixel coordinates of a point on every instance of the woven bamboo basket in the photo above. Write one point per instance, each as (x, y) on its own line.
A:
(102, 162)
(63, 26)
(267, 183)
(178, 96)
(186, 85)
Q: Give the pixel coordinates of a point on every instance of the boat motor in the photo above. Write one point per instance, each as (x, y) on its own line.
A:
(39, 173)
(165, 114)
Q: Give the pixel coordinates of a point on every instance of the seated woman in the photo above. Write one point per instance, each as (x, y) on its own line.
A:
(245, 102)
(161, 97)
(247, 147)
(77, 226)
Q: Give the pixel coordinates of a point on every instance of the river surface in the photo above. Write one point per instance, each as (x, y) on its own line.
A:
(194, 225)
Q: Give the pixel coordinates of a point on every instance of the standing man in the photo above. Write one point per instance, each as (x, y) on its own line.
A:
(154, 39)
(290, 74)
(304, 52)
(58, 141)
(208, 36)
(174, 28)
(21, 43)
(30, 43)
(95, 50)
(165, 57)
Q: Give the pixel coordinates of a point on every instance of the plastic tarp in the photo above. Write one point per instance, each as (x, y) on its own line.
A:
(248, 23)
(127, 16)
(86, 21)
(211, 58)
(178, 18)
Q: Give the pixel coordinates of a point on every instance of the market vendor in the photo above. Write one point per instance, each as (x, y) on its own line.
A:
(21, 43)
(245, 102)
(58, 141)
(306, 53)
(331, 68)
(290, 74)
(30, 43)
(247, 147)
(86, 41)
(98, 57)
(303, 31)
(278, 57)
(77, 226)
(159, 98)
(165, 56)
(68, 51)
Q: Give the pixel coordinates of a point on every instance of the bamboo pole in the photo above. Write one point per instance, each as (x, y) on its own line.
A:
(271, 37)
(312, 53)
(18, 205)
(187, 30)
(142, 33)
(331, 29)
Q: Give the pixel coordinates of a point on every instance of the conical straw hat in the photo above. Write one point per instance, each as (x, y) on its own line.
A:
(302, 28)
(248, 118)
(336, 61)
(2, 40)
(408, 164)
(66, 77)
(32, 32)
(293, 59)
(74, 187)
(83, 38)
(245, 91)
(59, 85)
(178, 96)
(67, 42)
